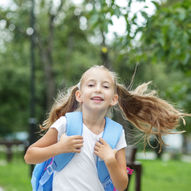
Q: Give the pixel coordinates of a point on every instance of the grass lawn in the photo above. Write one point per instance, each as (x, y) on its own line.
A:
(157, 175)
(165, 176)
(14, 176)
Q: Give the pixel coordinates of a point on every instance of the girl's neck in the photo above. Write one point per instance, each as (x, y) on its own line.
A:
(95, 121)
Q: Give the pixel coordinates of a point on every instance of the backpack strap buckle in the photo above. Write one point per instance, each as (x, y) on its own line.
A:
(108, 185)
(49, 169)
(46, 176)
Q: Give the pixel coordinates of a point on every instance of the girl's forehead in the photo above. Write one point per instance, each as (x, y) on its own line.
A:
(97, 74)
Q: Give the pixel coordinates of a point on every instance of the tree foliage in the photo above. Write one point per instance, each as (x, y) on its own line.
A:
(167, 36)
(71, 37)
(166, 40)
(62, 50)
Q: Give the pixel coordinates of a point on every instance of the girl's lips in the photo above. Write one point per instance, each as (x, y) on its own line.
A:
(97, 98)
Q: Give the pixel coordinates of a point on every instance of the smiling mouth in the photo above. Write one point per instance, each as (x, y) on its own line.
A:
(97, 98)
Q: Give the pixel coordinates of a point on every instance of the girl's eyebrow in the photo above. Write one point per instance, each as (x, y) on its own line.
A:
(107, 82)
(90, 80)
(93, 80)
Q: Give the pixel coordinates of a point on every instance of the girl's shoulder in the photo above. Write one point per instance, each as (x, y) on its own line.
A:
(60, 124)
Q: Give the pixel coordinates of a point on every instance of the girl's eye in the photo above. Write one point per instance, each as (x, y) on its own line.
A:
(90, 85)
(106, 87)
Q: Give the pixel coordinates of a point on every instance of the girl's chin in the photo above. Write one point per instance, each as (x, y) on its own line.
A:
(97, 101)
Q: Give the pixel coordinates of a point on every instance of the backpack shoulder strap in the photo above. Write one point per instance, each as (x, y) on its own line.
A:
(112, 132)
(39, 175)
(43, 173)
(74, 126)
(111, 135)
(74, 123)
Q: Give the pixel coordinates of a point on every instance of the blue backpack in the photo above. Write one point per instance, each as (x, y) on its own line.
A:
(42, 175)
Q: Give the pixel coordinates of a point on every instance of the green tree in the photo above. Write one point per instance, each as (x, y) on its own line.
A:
(62, 53)
(14, 71)
(166, 40)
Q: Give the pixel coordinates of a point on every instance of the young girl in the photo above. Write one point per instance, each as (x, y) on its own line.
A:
(97, 92)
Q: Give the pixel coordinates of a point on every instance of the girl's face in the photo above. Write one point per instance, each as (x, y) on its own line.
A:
(97, 90)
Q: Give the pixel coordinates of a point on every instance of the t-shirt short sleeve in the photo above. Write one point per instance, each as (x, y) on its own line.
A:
(60, 126)
(122, 141)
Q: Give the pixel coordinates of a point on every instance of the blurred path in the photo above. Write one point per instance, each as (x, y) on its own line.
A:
(165, 156)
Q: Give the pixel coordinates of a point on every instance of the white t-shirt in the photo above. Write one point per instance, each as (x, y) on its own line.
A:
(81, 172)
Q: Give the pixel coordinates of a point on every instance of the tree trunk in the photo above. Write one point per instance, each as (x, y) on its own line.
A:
(46, 51)
(104, 53)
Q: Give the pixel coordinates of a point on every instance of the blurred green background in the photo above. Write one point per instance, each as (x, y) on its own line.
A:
(172, 175)
(70, 36)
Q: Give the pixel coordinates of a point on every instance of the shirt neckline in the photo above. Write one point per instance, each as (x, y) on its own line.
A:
(97, 135)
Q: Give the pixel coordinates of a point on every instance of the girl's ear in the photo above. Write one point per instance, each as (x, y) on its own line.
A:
(78, 96)
(114, 100)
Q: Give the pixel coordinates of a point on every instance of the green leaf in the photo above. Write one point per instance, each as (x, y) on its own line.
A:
(94, 18)
(157, 5)
(117, 11)
(144, 14)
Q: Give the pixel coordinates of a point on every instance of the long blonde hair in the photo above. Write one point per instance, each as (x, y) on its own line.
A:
(147, 112)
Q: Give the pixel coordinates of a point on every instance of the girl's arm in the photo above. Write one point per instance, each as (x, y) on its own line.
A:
(115, 162)
(117, 170)
(47, 146)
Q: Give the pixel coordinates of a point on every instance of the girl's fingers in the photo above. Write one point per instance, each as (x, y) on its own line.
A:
(98, 144)
(78, 145)
(101, 140)
(78, 141)
(96, 148)
(77, 150)
(77, 137)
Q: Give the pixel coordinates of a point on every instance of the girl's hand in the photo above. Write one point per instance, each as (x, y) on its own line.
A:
(104, 151)
(68, 144)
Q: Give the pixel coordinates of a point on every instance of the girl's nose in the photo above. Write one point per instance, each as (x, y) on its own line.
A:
(98, 88)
